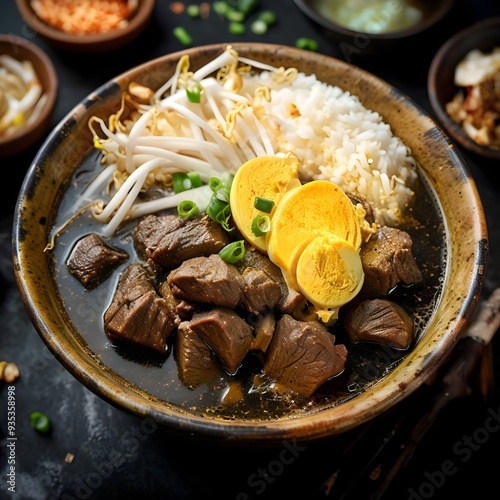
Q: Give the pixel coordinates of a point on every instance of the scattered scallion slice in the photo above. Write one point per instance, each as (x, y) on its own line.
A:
(259, 27)
(261, 225)
(233, 252)
(188, 209)
(236, 28)
(180, 182)
(193, 92)
(263, 204)
(307, 44)
(195, 179)
(193, 10)
(40, 422)
(182, 36)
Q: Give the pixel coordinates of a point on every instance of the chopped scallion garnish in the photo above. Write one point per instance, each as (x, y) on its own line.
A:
(233, 252)
(193, 93)
(188, 209)
(263, 204)
(261, 225)
(40, 422)
(180, 182)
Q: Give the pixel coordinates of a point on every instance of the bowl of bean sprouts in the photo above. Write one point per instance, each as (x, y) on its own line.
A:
(28, 93)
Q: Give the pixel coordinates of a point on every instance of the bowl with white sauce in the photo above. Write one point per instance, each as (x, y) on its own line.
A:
(28, 93)
(214, 238)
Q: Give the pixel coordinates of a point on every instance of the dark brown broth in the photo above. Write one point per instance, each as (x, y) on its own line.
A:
(157, 374)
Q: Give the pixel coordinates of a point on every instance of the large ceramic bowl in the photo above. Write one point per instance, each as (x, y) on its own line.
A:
(457, 243)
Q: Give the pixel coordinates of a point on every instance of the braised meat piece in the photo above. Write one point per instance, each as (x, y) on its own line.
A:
(302, 355)
(92, 260)
(290, 299)
(207, 279)
(170, 240)
(229, 336)
(387, 261)
(260, 292)
(196, 363)
(381, 321)
(137, 313)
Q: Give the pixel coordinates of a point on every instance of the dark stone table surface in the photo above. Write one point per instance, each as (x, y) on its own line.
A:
(117, 456)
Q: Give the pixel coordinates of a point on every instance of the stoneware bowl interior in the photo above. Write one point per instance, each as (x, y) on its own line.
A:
(484, 36)
(23, 50)
(63, 151)
(433, 13)
(89, 43)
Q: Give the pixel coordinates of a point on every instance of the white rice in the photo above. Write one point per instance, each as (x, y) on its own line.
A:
(336, 138)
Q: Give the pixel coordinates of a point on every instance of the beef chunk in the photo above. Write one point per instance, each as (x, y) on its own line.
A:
(229, 336)
(196, 363)
(207, 279)
(260, 292)
(381, 321)
(387, 261)
(290, 299)
(92, 260)
(302, 355)
(169, 240)
(137, 313)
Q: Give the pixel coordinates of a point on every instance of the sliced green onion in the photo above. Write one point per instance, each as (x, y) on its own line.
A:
(180, 182)
(268, 16)
(307, 44)
(221, 8)
(261, 225)
(235, 16)
(259, 27)
(188, 209)
(193, 10)
(233, 252)
(214, 183)
(236, 28)
(40, 422)
(182, 35)
(193, 92)
(247, 6)
(215, 207)
(263, 204)
(195, 179)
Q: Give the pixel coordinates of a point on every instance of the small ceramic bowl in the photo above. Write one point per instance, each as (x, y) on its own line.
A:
(484, 36)
(104, 41)
(367, 37)
(22, 50)
(69, 320)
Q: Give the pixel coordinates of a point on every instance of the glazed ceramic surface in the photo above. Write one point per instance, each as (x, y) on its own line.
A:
(465, 257)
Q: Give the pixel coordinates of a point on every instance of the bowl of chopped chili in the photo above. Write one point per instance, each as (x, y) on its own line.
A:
(87, 26)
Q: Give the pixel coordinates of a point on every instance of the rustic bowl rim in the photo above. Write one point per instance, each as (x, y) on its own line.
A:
(26, 136)
(40, 190)
(435, 82)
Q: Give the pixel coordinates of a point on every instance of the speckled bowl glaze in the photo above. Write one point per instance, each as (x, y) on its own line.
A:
(484, 36)
(466, 256)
